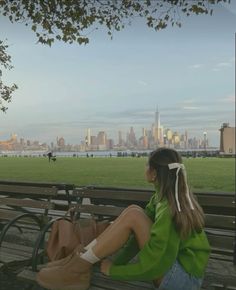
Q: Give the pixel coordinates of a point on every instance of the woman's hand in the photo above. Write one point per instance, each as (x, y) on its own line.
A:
(105, 266)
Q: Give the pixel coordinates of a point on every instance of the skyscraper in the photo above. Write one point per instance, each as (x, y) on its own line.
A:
(88, 137)
(120, 140)
(158, 129)
(102, 140)
(157, 119)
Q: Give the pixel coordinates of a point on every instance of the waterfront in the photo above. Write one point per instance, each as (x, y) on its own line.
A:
(102, 153)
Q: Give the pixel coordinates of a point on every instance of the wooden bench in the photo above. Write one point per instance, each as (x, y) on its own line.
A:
(34, 191)
(105, 202)
(63, 189)
(25, 208)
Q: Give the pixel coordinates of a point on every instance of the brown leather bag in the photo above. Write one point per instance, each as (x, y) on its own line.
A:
(67, 233)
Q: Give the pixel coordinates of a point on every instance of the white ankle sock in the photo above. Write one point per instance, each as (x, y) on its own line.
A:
(90, 245)
(90, 256)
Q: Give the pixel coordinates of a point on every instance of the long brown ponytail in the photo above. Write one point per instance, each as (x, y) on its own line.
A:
(187, 219)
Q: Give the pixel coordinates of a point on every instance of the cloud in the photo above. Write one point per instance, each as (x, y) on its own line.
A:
(189, 101)
(197, 66)
(136, 113)
(217, 66)
(190, 108)
(224, 64)
(143, 83)
(215, 69)
(228, 99)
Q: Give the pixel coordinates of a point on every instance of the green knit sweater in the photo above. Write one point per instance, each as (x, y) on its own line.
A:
(162, 249)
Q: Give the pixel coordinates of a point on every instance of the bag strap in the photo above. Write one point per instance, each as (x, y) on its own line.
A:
(93, 223)
(71, 213)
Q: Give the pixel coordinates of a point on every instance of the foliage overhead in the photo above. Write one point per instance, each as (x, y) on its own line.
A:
(5, 91)
(74, 20)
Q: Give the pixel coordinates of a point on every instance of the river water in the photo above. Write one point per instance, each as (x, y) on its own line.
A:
(75, 154)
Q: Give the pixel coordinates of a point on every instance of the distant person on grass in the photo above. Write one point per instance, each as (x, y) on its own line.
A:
(49, 156)
(167, 237)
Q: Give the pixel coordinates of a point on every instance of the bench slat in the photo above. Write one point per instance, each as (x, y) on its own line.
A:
(113, 194)
(223, 201)
(220, 221)
(219, 241)
(221, 271)
(221, 257)
(99, 209)
(107, 283)
(27, 275)
(8, 215)
(26, 203)
(11, 247)
(28, 190)
(6, 257)
(211, 203)
(98, 282)
(224, 222)
(59, 186)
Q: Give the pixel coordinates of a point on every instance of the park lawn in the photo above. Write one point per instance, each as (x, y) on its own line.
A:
(204, 174)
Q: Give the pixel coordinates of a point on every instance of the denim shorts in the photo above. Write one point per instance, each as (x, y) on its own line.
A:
(178, 279)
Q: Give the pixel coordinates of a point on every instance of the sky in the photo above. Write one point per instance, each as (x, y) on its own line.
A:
(111, 85)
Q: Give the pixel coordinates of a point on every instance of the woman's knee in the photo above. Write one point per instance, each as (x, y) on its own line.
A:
(135, 214)
(139, 223)
(132, 207)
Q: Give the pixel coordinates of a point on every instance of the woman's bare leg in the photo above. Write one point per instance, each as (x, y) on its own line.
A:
(130, 207)
(133, 220)
(78, 269)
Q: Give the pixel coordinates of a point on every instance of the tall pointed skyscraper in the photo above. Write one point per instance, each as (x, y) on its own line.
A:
(157, 119)
(158, 129)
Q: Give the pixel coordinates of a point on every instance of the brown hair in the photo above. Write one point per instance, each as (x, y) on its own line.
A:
(187, 219)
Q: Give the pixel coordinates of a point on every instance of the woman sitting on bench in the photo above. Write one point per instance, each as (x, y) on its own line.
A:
(167, 237)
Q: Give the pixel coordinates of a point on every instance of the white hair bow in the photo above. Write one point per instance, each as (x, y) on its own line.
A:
(180, 166)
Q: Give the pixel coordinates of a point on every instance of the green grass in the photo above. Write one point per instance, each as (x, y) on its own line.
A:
(204, 174)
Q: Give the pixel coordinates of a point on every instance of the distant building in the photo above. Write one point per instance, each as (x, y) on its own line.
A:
(158, 129)
(131, 138)
(120, 139)
(227, 139)
(88, 137)
(110, 144)
(93, 140)
(61, 142)
(10, 144)
(102, 140)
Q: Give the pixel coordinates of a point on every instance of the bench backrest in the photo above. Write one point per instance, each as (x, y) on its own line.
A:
(219, 211)
(59, 186)
(60, 191)
(30, 191)
(41, 194)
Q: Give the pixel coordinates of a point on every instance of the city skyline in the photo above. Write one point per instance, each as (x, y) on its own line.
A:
(151, 137)
(156, 122)
(115, 84)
